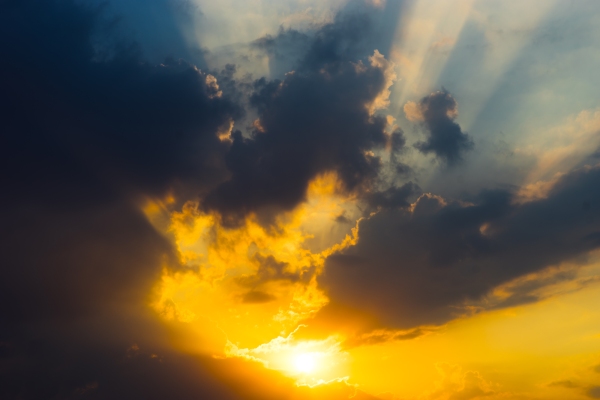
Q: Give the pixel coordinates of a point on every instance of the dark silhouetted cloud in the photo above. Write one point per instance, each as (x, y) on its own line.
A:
(88, 132)
(316, 120)
(445, 139)
(421, 266)
(83, 140)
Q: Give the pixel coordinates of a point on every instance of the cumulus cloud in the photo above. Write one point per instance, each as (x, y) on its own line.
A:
(318, 119)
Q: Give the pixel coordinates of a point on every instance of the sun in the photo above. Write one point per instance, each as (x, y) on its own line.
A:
(305, 363)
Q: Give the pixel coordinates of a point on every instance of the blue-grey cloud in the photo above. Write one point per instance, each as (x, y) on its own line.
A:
(313, 121)
(445, 139)
(422, 266)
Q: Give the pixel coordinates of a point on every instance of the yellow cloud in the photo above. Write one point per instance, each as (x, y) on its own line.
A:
(246, 285)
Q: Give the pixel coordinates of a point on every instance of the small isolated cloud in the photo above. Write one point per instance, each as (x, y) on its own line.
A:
(257, 297)
(445, 139)
(567, 383)
(387, 335)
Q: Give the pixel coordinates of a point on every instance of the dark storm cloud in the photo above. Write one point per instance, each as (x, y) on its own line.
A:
(70, 116)
(83, 137)
(89, 129)
(445, 139)
(422, 267)
(315, 120)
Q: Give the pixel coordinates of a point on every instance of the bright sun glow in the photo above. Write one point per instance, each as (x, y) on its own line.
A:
(305, 362)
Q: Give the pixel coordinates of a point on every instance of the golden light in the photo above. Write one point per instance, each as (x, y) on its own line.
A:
(306, 363)
(209, 298)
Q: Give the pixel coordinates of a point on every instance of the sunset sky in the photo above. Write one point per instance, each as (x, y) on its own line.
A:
(300, 199)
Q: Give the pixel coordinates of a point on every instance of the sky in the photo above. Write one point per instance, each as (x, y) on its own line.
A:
(300, 199)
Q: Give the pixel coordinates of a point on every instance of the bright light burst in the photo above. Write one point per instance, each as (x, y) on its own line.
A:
(306, 363)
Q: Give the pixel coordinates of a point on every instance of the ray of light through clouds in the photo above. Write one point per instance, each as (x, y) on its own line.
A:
(300, 199)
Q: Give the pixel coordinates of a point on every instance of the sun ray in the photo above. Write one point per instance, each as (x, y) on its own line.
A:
(424, 40)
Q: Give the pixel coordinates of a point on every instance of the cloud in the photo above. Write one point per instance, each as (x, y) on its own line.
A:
(424, 265)
(269, 269)
(80, 118)
(392, 197)
(564, 384)
(90, 130)
(285, 50)
(318, 119)
(257, 297)
(385, 335)
(86, 136)
(445, 138)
